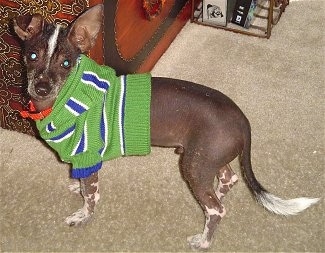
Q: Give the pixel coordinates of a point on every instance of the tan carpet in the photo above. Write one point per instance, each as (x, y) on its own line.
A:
(145, 206)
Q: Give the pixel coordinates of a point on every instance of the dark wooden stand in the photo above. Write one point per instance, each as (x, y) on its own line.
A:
(273, 16)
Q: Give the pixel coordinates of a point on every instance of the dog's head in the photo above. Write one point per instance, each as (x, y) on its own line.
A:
(51, 51)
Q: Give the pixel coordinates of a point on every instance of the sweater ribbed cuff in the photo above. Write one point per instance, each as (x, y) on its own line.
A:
(137, 115)
(84, 164)
(85, 172)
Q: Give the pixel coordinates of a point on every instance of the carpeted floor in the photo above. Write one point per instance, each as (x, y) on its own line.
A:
(145, 206)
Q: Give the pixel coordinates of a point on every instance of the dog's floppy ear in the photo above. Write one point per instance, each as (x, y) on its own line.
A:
(85, 28)
(27, 26)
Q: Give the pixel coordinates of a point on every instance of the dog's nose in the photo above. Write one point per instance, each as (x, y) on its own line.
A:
(42, 89)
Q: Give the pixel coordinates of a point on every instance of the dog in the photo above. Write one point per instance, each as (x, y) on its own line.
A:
(214, 11)
(206, 128)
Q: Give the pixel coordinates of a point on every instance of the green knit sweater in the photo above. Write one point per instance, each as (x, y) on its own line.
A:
(98, 116)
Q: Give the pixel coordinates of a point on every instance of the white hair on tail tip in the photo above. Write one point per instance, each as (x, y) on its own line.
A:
(282, 206)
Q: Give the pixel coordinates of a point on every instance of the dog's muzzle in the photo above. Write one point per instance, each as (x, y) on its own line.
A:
(42, 89)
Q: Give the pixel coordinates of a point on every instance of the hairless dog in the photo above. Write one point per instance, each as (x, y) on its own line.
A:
(76, 103)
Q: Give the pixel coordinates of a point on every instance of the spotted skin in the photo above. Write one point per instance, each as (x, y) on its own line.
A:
(90, 192)
(200, 173)
(227, 178)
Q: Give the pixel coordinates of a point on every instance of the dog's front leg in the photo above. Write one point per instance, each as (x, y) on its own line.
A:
(90, 193)
(75, 187)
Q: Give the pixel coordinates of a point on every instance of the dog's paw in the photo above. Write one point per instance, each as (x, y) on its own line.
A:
(78, 218)
(198, 242)
(75, 187)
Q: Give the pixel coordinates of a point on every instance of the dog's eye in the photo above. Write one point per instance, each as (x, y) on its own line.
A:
(66, 64)
(33, 56)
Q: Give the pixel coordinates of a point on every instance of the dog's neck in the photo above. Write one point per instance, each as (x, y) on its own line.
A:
(42, 105)
(34, 113)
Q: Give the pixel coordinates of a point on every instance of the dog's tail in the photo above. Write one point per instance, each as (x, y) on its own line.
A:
(266, 199)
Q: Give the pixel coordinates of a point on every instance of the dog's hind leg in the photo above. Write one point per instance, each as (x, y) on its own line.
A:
(90, 193)
(200, 173)
(227, 178)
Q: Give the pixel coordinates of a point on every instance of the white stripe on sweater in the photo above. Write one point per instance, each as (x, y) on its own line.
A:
(105, 128)
(98, 83)
(120, 114)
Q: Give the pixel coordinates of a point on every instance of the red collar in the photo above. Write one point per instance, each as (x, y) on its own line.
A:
(31, 113)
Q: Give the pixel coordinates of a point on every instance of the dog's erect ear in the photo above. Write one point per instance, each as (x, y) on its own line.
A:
(85, 28)
(27, 26)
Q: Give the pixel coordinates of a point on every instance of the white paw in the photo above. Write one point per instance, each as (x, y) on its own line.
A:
(78, 218)
(75, 187)
(197, 242)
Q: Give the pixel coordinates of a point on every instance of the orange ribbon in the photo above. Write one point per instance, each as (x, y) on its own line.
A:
(31, 113)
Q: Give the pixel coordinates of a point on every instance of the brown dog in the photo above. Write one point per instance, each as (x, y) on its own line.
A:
(207, 128)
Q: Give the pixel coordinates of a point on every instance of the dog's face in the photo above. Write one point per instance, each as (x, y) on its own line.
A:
(51, 51)
(49, 57)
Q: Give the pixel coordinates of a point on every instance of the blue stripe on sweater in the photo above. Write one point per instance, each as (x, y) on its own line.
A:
(50, 127)
(65, 135)
(75, 106)
(85, 172)
(102, 127)
(82, 145)
(94, 80)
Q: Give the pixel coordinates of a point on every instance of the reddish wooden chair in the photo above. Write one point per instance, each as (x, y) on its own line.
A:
(136, 33)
